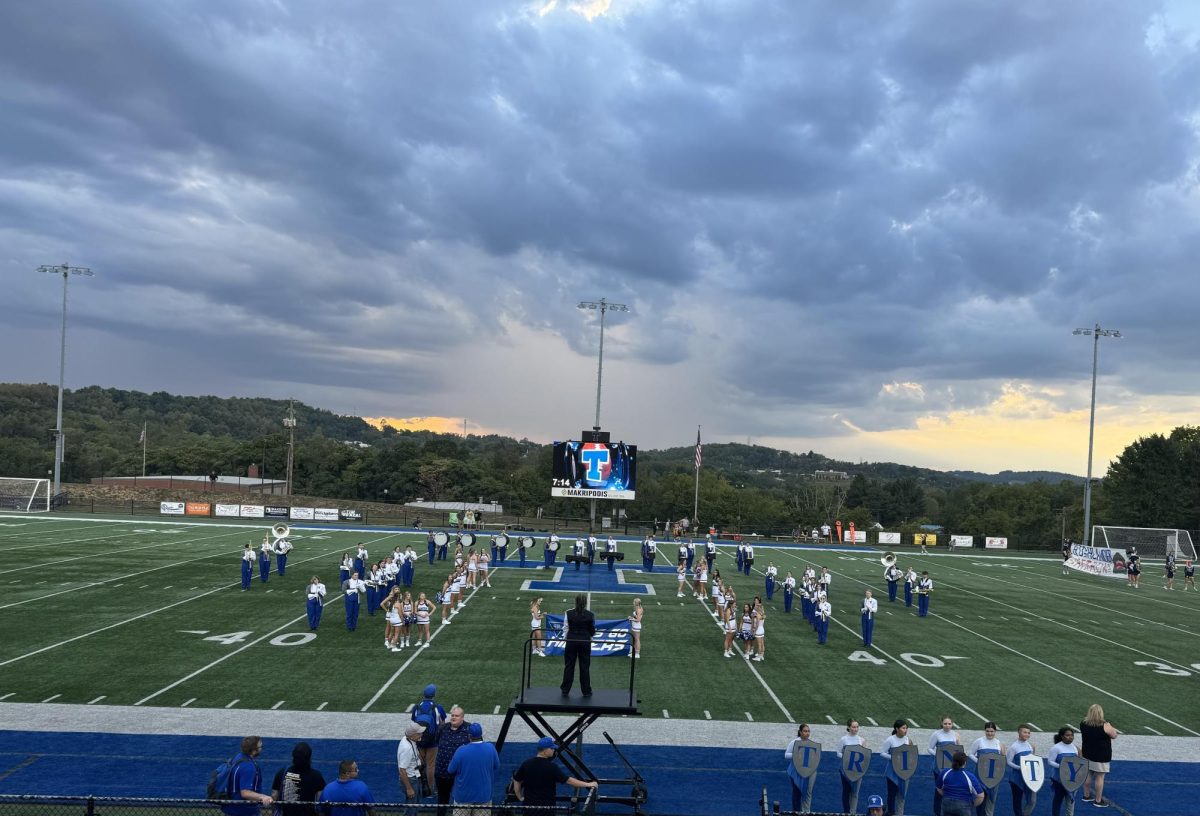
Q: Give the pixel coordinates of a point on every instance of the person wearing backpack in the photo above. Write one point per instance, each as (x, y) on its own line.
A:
(298, 783)
(240, 781)
(431, 715)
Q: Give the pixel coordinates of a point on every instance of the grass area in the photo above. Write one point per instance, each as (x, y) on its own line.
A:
(132, 612)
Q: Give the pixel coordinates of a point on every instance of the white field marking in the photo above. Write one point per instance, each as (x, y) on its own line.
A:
(913, 723)
(1032, 727)
(172, 586)
(58, 544)
(40, 582)
(707, 715)
(321, 707)
(871, 720)
(144, 586)
(496, 710)
(1152, 731)
(277, 705)
(901, 663)
(187, 703)
(225, 657)
(666, 714)
(752, 669)
(1079, 680)
(93, 555)
(407, 663)
(98, 699)
(188, 599)
(52, 697)
(832, 721)
(411, 706)
(1003, 618)
(6, 696)
(232, 703)
(118, 586)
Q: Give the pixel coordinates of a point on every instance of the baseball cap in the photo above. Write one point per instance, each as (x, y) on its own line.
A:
(874, 800)
(430, 690)
(414, 730)
(546, 742)
(476, 731)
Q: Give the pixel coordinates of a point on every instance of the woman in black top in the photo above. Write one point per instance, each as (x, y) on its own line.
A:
(1098, 736)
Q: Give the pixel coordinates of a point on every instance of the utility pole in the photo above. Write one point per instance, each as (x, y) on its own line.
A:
(289, 422)
(603, 306)
(1096, 334)
(66, 271)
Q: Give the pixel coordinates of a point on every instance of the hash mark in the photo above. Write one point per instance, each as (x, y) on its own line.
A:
(666, 714)
(321, 707)
(496, 710)
(98, 699)
(232, 703)
(871, 720)
(6, 696)
(52, 697)
(832, 721)
(1152, 731)
(707, 715)
(913, 723)
(277, 705)
(187, 703)
(748, 717)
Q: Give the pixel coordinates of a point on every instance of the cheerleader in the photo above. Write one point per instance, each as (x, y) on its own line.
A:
(407, 619)
(1064, 745)
(264, 560)
(455, 591)
(680, 580)
(850, 789)
(345, 568)
(247, 567)
(946, 736)
(1024, 799)
(315, 602)
(718, 594)
(746, 630)
(728, 616)
(1169, 572)
(425, 609)
(484, 563)
(535, 624)
(635, 628)
(717, 584)
(392, 620)
(772, 572)
(443, 599)
(789, 592)
(472, 568)
(760, 632)
(700, 587)
(459, 557)
(897, 787)
(987, 744)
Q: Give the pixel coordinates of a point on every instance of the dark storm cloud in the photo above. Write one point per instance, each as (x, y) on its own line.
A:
(802, 203)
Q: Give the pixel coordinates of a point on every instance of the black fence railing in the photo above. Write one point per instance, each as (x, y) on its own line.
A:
(113, 806)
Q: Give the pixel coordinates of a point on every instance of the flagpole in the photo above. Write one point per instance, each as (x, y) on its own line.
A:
(696, 497)
(144, 450)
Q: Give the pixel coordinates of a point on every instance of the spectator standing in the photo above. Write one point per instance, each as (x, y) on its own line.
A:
(299, 785)
(409, 763)
(245, 782)
(451, 737)
(959, 790)
(474, 769)
(1098, 735)
(348, 796)
(430, 714)
(536, 782)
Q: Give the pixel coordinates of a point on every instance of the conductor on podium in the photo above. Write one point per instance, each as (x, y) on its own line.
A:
(580, 625)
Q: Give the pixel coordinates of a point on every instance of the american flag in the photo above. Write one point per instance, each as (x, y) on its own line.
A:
(698, 448)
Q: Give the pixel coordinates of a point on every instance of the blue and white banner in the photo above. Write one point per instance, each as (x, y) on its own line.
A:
(612, 637)
(1104, 561)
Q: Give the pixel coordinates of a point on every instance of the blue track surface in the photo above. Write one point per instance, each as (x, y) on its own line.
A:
(701, 781)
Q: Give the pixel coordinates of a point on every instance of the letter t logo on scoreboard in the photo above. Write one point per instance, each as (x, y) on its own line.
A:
(595, 457)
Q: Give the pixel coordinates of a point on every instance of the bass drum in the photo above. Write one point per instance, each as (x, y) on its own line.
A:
(526, 542)
(466, 539)
(440, 538)
(552, 545)
(501, 540)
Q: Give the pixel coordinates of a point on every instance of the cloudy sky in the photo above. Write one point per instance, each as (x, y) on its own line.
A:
(866, 229)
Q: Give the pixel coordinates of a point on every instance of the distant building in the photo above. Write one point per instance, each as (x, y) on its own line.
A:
(831, 475)
(222, 484)
(462, 507)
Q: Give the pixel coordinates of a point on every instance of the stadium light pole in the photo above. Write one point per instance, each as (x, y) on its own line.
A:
(66, 270)
(603, 306)
(289, 422)
(1096, 333)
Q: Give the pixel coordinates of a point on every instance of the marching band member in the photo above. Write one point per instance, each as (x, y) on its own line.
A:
(635, 628)
(824, 613)
(1189, 576)
(1024, 799)
(680, 580)
(946, 736)
(484, 563)
(810, 574)
(741, 556)
(772, 572)
(374, 575)
(802, 787)
(727, 613)
(501, 549)
(682, 557)
(760, 630)
(870, 608)
(460, 586)
(391, 617)
(316, 602)
(910, 585)
(410, 565)
(495, 544)
(850, 789)
(360, 560)
(987, 744)
(806, 600)
(432, 545)
(535, 623)
(1064, 745)
(610, 552)
(345, 568)
(748, 558)
(407, 619)
(425, 609)
(649, 553)
(444, 547)
(924, 588)
(897, 788)
(248, 558)
(710, 553)
(390, 570)
(581, 549)
(789, 592)
(282, 548)
(264, 560)
(551, 550)
(591, 548)
(892, 576)
(700, 587)
(824, 580)
(354, 587)
(521, 552)
(691, 554)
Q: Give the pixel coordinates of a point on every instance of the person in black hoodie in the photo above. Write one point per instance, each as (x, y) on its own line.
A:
(296, 788)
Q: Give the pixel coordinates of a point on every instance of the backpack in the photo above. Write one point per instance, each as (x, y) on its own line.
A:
(220, 781)
(426, 715)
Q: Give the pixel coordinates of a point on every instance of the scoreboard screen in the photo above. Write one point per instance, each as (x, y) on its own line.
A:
(594, 470)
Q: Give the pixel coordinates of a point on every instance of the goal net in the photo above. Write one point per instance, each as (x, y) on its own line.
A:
(24, 495)
(1152, 543)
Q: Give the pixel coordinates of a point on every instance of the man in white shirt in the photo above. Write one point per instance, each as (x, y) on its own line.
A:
(408, 761)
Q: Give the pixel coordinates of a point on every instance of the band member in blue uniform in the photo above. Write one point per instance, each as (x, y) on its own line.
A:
(316, 602)
(501, 550)
(444, 548)
(581, 548)
(610, 551)
(432, 545)
(360, 560)
(282, 548)
(264, 560)
(691, 555)
(247, 566)
(649, 553)
(591, 548)
(354, 587)
(710, 553)
(495, 545)
(789, 592)
(910, 585)
(551, 553)
(892, 576)
(408, 570)
(741, 556)
(521, 552)
(870, 608)
(345, 567)
(924, 588)
(748, 559)
(373, 579)
(769, 581)
(824, 613)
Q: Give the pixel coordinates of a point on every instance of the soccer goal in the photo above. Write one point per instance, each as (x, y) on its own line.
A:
(24, 495)
(1151, 542)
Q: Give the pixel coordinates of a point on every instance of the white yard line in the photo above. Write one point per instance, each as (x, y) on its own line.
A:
(98, 699)
(771, 692)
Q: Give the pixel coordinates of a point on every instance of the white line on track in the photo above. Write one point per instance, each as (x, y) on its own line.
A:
(277, 705)
(321, 707)
(231, 703)
(52, 697)
(98, 699)
(6, 696)
(749, 717)
(187, 703)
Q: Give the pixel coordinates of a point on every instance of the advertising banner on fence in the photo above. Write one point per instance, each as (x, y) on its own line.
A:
(1103, 561)
(325, 514)
(350, 515)
(962, 541)
(924, 539)
(854, 537)
(612, 637)
(889, 538)
(252, 511)
(302, 513)
(170, 508)
(228, 510)
(197, 508)
(995, 543)
(275, 512)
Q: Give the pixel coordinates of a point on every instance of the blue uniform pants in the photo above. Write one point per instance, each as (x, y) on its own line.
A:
(407, 573)
(280, 564)
(822, 630)
(922, 605)
(770, 587)
(502, 552)
(907, 594)
(359, 567)
(314, 614)
(264, 568)
(247, 574)
(868, 629)
(746, 566)
(691, 557)
(352, 611)
(432, 551)
(372, 599)
(892, 587)
(1063, 803)
(788, 595)
(849, 794)
(442, 551)
(522, 556)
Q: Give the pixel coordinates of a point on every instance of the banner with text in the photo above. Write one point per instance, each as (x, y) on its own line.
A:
(995, 543)
(275, 511)
(1103, 561)
(859, 537)
(302, 513)
(612, 637)
(228, 510)
(170, 508)
(962, 541)
(889, 538)
(252, 511)
(197, 508)
(325, 514)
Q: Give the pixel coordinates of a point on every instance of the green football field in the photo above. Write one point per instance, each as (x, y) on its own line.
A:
(105, 611)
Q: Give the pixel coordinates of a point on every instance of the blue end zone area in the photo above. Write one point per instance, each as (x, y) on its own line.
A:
(593, 578)
(680, 780)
